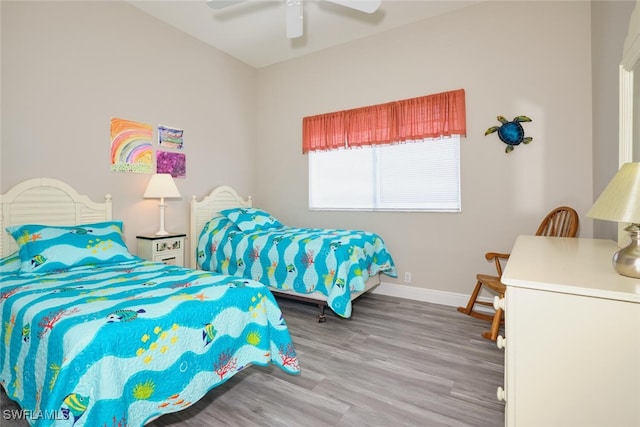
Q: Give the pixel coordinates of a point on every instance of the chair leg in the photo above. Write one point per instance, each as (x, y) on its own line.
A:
(472, 302)
(495, 326)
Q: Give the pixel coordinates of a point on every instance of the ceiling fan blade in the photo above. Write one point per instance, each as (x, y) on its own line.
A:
(221, 4)
(368, 6)
(294, 18)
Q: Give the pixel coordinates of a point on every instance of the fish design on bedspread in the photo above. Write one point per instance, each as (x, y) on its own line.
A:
(74, 406)
(333, 262)
(93, 356)
(124, 315)
(208, 334)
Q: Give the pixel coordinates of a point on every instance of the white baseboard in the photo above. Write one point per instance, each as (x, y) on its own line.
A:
(428, 295)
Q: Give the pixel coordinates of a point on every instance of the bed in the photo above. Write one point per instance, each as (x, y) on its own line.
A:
(94, 336)
(327, 267)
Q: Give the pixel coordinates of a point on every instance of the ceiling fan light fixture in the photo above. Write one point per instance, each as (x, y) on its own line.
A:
(294, 16)
(294, 19)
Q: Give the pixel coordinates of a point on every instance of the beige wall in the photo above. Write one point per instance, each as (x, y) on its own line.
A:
(68, 67)
(523, 58)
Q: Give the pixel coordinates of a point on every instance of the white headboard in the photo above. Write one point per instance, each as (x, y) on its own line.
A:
(202, 211)
(47, 201)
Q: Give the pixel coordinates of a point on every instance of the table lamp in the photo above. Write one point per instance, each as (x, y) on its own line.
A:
(161, 185)
(620, 202)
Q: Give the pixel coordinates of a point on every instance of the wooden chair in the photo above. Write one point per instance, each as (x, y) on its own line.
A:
(561, 222)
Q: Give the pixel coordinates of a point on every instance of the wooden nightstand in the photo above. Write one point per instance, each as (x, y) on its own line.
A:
(167, 249)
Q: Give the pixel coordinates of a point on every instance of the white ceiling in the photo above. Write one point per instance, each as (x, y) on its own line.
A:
(255, 31)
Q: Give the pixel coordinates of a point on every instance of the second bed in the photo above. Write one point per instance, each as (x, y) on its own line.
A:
(328, 267)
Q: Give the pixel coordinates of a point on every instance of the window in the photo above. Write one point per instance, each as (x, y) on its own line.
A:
(401, 155)
(413, 176)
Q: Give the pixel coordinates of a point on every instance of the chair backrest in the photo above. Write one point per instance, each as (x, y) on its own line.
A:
(561, 222)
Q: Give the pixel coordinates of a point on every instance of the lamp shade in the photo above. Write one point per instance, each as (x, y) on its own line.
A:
(620, 200)
(161, 185)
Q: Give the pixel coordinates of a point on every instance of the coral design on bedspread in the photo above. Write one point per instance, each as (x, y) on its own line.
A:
(333, 262)
(120, 344)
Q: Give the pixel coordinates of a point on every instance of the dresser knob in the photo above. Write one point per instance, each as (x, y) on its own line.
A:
(501, 394)
(498, 303)
(501, 342)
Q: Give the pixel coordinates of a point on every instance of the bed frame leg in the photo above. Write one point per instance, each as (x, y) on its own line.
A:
(321, 317)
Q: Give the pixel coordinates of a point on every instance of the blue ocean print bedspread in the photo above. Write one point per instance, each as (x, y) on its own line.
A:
(124, 343)
(332, 262)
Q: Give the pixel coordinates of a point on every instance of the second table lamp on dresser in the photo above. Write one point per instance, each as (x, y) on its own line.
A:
(161, 186)
(620, 202)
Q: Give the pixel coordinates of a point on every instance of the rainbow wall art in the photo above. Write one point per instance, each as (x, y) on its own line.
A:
(131, 149)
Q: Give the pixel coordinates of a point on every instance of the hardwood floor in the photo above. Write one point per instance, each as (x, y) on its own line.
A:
(396, 362)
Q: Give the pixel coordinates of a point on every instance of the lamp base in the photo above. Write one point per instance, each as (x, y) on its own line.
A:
(627, 260)
(162, 231)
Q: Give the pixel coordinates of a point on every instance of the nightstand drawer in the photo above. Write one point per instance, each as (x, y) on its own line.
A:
(166, 249)
(173, 244)
(170, 258)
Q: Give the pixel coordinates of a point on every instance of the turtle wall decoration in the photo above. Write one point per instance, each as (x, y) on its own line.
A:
(511, 132)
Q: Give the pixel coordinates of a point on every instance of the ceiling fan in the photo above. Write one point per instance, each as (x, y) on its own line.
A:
(294, 11)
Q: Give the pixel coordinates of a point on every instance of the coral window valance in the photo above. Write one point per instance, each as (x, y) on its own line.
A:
(431, 116)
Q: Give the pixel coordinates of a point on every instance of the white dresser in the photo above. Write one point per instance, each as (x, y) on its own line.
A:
(572, 327)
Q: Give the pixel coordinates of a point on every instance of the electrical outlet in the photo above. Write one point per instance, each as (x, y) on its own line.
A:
(407, 277)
